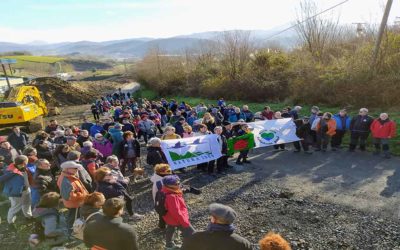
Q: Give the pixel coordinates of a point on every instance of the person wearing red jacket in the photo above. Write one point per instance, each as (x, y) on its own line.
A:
(177, 215)
(383, 129)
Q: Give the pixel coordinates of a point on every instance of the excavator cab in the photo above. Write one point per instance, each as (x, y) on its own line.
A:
(23, 106)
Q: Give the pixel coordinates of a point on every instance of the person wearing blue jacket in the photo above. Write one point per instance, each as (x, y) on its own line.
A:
(236, 116)
(116, 137)
(342, 125)
(96, 128)
(16, 188)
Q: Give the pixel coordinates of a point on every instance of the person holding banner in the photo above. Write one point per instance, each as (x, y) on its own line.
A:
(242, 158)
(303, 131)
(206, 165)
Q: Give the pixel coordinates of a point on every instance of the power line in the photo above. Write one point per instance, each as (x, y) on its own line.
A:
(322, 12)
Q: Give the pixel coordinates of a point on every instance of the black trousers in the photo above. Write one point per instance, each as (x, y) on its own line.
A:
(222, 163)
(323, 140)
(242, 155)
(96, 116)
(298, 144)
(358, 136)
(337, 138)
(279, 146)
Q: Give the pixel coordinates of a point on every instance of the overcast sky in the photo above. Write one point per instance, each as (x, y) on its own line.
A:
(100, 20)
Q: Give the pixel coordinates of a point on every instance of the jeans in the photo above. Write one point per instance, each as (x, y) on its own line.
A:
(170, 231)
(378, 142)
(35, 195)
(130, 162)
(20, 203)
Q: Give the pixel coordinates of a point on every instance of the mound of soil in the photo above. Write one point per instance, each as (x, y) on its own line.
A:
(57, 92)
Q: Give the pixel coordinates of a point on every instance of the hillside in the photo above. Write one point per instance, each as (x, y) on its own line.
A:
(137, 47)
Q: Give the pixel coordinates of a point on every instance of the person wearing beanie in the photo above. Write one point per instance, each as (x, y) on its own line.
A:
(16, 188)
(219, 233)
(273, 241)
(177, 216)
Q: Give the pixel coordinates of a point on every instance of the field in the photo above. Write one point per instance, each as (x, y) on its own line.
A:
(37, 59)
(255, 107)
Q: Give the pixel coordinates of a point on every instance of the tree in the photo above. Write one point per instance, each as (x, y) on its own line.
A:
(316, 33)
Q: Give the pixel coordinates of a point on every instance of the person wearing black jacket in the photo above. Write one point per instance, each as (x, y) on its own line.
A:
(110, 187)
(19, 140)
(219, 233)
(129, 150)
(109, 232)
(228, 133)
(43, 179)
(360, 128)
(154, 153)
(222, 162)
(303, 131)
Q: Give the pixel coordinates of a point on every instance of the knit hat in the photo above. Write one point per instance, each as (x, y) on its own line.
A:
(162, 169)
(98, 135)
(225, 213)
(171, 180)
(70, 164)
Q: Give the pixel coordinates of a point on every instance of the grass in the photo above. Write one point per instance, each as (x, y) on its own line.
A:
(37, 59)
(394, 113)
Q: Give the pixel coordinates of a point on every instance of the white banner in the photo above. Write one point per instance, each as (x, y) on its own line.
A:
(271, 132)
(186, 152)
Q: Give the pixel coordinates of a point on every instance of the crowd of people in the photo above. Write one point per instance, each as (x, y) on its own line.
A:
(90, 168)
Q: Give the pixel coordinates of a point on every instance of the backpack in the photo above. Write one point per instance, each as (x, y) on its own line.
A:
(79, 225)
(159, 204)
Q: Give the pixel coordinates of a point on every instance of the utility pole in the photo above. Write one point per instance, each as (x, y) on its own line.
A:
(380, 33)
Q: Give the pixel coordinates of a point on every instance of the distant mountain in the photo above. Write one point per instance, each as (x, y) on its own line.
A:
(138, 47)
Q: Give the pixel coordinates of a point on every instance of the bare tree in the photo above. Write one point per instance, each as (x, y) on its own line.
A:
(235, 48)
(316, 33)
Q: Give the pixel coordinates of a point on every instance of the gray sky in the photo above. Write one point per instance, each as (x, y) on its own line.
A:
(99, 20)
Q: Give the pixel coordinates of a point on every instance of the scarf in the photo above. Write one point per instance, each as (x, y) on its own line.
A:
(175, 191)
(212, 227)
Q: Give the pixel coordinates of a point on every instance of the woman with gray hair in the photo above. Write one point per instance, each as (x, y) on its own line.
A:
(359, 128)
(383, 129)
(154, 153)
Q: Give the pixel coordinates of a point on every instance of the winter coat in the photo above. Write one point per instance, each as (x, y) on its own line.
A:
(267, 115)
(146, 126)
(155, 156)
(82, 139)
(383, 129)
(85, 178)
(50, 219)
(87, 210)
(50, 129)
(96, 129)
(361, 123)
(72, 191)
(87, 126)
(111, 190)
(177, 213)
(116, 137)
(303, 130)
(342, 123)
(9, 155)
(179, 128)
(154, 179)
(44, 181)
(91, 166)
(123, 148)
(248, 115)
(14, 182)
(212, 240)
(331, 127)
(110, 233)
(234, 117)
(104, 147)
(18, 142)
(223, 144)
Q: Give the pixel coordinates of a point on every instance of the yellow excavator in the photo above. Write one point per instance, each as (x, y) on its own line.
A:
(23, 106)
